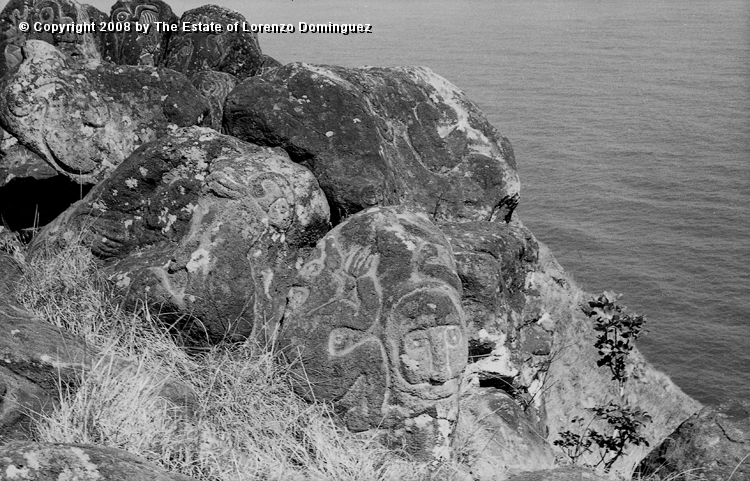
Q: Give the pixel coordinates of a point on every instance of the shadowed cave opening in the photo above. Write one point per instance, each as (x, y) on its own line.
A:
(27, 203)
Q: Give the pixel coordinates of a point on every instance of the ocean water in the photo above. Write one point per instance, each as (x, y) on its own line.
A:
(630, 122)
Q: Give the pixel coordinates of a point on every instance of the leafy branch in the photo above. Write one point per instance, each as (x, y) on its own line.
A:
(616, 333)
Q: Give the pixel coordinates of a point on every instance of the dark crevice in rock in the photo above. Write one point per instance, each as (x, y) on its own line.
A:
(27, 203)
(500, 383)
(479, 349)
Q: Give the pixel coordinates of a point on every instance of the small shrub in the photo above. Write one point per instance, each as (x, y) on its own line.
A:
(617, 331)
(625, 424)
(575, 445)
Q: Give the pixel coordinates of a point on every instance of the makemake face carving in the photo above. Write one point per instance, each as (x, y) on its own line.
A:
(378, 321)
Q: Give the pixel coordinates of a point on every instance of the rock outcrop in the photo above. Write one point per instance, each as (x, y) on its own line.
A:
(38, 357)
(84, 122)
(428, 311)
(237, 53)
(204, 225)
(571, 385)
(79, 462)
(76, 47)
(381, 136)
(375, 317)
(494, 261)
(713, 445)
(125, 44)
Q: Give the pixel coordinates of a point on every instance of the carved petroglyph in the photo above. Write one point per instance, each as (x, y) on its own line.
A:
(236, 53)
(206, 226)
(77, 46)
(377, 318)
(214, 86)
(143, 14)
(382, 136)
(138, 46)
(85, 121)
(206, 55)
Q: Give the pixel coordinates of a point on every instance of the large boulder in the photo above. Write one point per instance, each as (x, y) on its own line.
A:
(713, 445)
(84, 122)
(204, 225)
(76, 46)
(237, 53)
(137, 37)
(375, 319)
(78, 462)
(381, 136)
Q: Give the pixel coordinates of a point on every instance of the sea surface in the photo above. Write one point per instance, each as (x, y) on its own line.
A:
(630, 122)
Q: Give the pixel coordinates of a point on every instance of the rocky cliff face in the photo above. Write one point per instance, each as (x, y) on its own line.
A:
(363, 218)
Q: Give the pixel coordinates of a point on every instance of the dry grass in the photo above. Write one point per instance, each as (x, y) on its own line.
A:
(245, 423)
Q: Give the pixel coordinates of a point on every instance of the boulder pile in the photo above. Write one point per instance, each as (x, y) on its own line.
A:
(362, 219)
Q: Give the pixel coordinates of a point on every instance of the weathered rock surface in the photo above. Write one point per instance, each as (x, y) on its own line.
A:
(381, 136)
(214, 86)
(237, 53)
(84, 122)
(503, 437)
(58, 12)
(376, 319)
(572, 385)
(268, 63)
(38, 357)
(494, 260)
(203, 224)
(18, 161)
(713, 445)
(128, 45)
(78, 462)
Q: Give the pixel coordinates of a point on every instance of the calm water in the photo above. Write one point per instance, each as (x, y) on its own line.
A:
(631, 126)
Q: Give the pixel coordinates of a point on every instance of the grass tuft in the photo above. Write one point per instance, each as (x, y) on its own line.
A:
(244, 421)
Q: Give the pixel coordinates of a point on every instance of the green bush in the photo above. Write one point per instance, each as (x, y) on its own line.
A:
(614, 341)
(617, 331)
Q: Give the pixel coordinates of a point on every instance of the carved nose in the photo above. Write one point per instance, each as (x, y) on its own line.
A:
(441, 369)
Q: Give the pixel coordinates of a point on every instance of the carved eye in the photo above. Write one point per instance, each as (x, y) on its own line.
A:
(47, 15)
(417, 345)
(122, 16)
